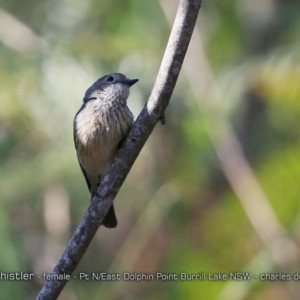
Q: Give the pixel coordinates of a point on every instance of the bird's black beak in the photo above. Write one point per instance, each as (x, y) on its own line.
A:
(130, 82)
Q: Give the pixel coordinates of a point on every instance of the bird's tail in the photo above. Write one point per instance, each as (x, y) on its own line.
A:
(110, 219)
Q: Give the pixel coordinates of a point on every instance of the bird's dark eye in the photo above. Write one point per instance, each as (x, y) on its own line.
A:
(110, 79)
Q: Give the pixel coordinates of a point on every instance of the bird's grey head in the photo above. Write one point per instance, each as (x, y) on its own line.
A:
(110, 88)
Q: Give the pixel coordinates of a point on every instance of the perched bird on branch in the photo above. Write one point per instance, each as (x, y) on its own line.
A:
(100, 126)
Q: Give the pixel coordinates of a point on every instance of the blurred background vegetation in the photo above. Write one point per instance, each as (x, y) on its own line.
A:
(214, 190)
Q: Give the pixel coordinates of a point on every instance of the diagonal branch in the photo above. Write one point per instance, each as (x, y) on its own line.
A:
(165, 82)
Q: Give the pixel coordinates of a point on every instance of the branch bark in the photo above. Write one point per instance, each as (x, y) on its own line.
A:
(151, 113)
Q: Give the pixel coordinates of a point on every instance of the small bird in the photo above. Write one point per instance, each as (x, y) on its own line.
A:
(100, 126)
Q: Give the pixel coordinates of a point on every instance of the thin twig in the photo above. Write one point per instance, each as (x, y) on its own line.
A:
(165, 82)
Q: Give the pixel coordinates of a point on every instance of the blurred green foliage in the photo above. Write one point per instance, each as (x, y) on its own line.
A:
(51, 52)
